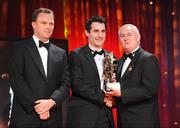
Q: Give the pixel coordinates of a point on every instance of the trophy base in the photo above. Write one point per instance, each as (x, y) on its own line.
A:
(113, 86)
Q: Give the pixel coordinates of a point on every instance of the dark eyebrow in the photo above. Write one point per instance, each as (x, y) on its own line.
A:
(95, 30)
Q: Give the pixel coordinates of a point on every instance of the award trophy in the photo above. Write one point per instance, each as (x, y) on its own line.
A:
(109, 70)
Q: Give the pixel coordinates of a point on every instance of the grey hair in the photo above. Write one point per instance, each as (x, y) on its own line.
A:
(131, 26)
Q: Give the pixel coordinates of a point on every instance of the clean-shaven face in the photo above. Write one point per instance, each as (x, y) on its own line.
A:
(97, 35)
(43, 26)
(130, 39)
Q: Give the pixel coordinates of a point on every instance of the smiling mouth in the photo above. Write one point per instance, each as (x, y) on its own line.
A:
(47, 32)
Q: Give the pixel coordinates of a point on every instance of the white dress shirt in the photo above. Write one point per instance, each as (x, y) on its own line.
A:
(127, 62)
(99, 63)
(43, 53)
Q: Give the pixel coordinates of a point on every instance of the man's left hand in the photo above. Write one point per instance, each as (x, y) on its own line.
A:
(43, 105)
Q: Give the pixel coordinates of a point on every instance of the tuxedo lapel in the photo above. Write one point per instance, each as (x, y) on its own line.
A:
(90, 58)
(129, 69)
(35, 55)
(51, 60)
(133, 64)
(119, 68)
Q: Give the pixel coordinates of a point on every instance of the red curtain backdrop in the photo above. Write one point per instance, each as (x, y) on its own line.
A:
(78, 11)
(157, 20)
(15, 17)
(176, 62)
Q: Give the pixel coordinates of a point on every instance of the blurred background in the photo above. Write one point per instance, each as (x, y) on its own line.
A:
(157, 20)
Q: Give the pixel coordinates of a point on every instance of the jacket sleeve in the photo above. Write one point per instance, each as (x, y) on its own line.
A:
(147, 88)
(22, 92)
(60, 94)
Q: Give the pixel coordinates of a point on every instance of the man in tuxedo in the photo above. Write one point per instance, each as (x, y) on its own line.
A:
(39, 76)
(139, 76)
(87, 108)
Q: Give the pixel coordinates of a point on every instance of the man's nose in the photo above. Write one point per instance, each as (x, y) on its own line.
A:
(48, 26)
(100, 34)
(125, 37)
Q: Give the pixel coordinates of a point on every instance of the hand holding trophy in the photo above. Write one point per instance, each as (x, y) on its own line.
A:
(109, 72)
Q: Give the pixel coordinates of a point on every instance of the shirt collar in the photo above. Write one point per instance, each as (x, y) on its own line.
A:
(135, 50)
(93, 49)
(36, 40)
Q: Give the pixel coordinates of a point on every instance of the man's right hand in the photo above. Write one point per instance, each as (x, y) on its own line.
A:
(109, 101)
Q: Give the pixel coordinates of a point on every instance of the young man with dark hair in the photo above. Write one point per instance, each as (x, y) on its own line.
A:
(87, 107)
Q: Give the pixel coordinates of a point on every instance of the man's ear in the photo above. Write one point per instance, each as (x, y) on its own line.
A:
(139, 37)
(86, 33)
(33, 25)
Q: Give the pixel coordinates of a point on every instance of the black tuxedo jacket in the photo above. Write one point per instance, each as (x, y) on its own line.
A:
(4, 85)
(29, 83)
(87, 98)
(4, 100)
(138, 105)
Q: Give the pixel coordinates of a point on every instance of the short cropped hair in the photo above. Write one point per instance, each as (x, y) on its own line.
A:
(40, 10)
(133, 27)
(92, 19)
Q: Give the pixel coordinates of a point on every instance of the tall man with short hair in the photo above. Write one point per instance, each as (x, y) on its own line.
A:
(39, 76)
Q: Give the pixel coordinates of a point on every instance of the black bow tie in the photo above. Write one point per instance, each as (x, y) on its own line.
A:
(98, 52)
(46, 45)
(125, 56)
